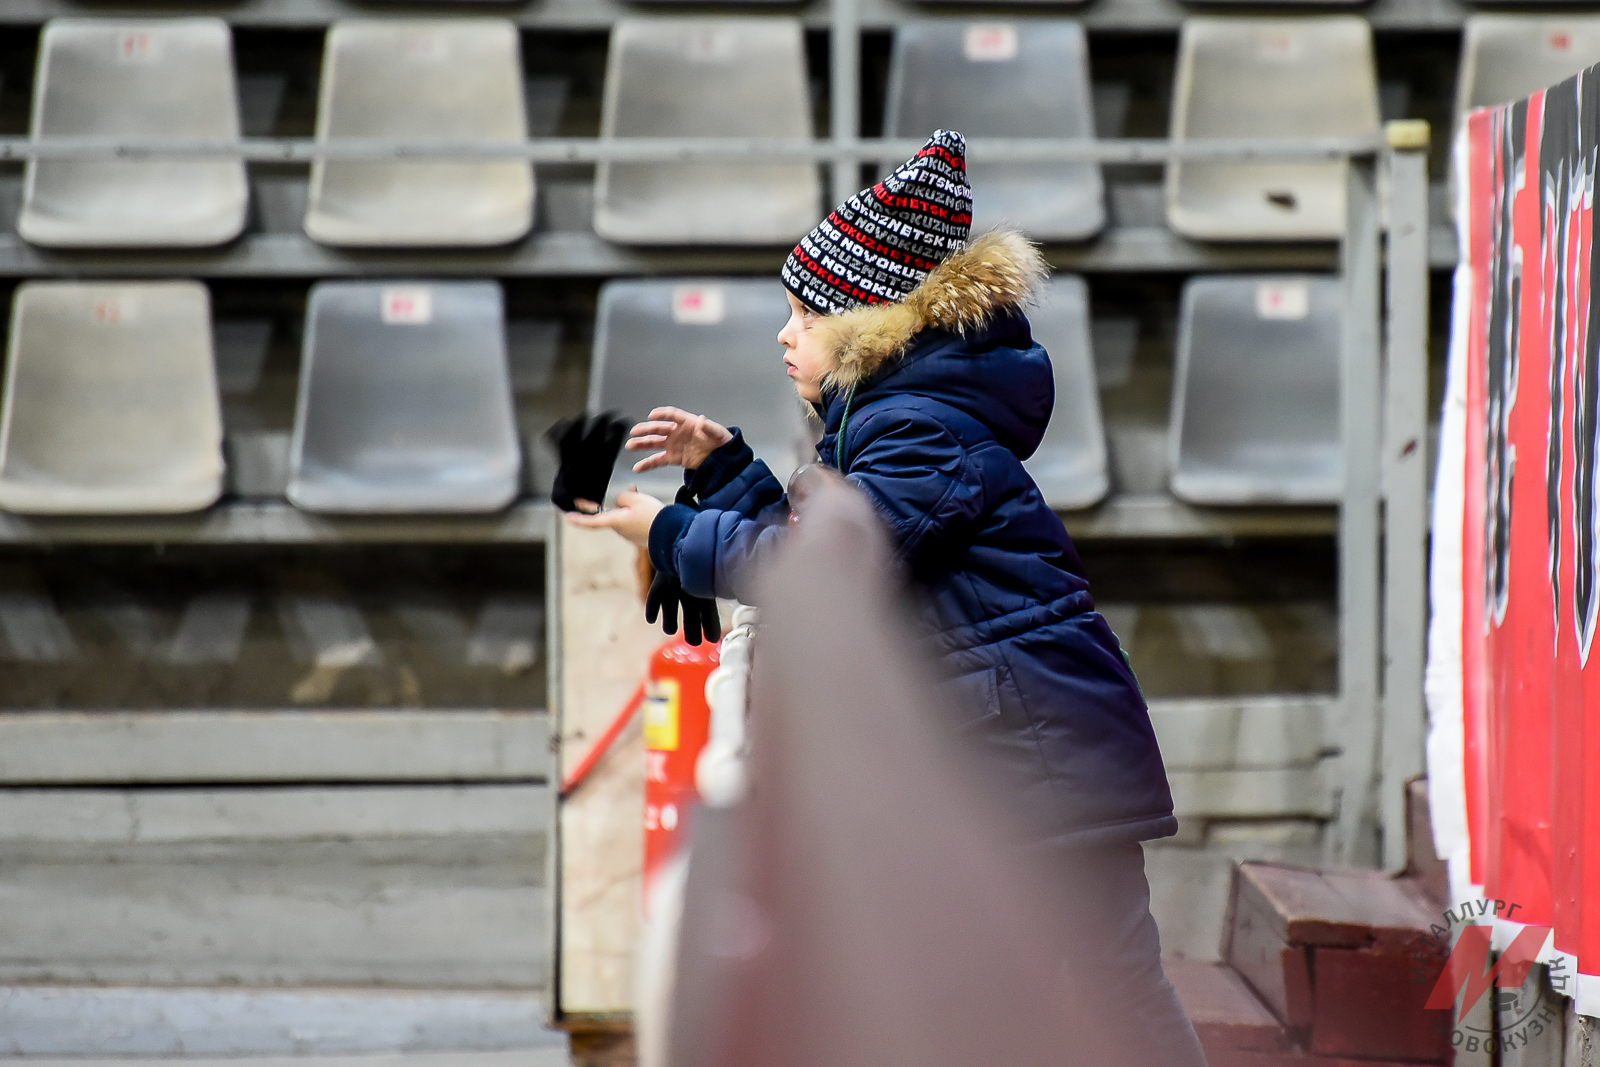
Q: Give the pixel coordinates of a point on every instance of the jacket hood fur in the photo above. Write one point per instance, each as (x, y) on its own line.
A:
(997, 272)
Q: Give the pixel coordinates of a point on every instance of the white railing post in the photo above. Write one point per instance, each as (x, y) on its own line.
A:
(1405, 482)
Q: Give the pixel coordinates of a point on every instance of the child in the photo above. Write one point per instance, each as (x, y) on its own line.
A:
(912, 347)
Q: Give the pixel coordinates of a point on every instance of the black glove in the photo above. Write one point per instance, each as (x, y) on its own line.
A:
(699, 613)
(588, 448)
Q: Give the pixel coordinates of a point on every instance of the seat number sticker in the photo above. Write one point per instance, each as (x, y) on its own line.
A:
(710, 46)
(1282, 300)
(407, 305)
(137, 46)
(990, 42)
(1561, 41)
(661, 716)
(699, 305)
(1280, 45)
(113, 310)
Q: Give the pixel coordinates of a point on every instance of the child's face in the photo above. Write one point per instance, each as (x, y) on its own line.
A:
(804, 357)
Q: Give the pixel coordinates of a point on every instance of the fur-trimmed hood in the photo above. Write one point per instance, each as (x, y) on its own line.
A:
(996, 273)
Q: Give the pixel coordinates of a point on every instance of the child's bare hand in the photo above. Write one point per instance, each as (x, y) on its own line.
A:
(685, 439)
(631, 518)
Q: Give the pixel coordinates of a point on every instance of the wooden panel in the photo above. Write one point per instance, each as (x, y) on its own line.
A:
(1346, 908)
(67, 747)
(1366, 1003)
(1277, 971)
(604, 653)
(1225, 1013)
(1244, 732)
(1295, 791)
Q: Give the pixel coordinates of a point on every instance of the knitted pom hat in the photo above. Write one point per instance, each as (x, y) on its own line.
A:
(876, 247)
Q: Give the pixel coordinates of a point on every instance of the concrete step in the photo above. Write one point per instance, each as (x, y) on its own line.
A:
(347, 1025)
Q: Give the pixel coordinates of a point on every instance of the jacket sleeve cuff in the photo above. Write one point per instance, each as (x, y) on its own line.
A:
(670, 524)
(721, 467)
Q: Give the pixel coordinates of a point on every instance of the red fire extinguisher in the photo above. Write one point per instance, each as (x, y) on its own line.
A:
(677, 721)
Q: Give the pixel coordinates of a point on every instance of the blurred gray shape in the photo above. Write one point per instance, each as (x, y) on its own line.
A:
(1222, 631)
(706, 77)
(419, 80)
(1506, 57)
(258, 463)
(110, 400)
(1255, 410)
(1111, 100)
(210, 630)
(509, 634)
(260, 98)
(126, 616)
(327, 631)
(544, 99)
(1004, 79)
(1115, 338)
(241, 346)
(707, 346)
(1268, 78)
(34, 630)
(405, 400)
(868, 903)
(532, 347)
(134, 79)
(1070, 465)
(432, 620)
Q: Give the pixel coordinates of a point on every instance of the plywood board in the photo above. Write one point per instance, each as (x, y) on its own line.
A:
(605, 648)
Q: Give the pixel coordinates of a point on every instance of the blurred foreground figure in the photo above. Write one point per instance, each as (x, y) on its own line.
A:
(868, 902)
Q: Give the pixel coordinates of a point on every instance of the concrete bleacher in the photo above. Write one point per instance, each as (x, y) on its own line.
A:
(230, 685)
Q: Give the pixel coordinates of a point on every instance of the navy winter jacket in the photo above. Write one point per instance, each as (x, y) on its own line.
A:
(944, 405)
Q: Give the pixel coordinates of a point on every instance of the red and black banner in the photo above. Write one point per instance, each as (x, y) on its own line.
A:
(1514, 671)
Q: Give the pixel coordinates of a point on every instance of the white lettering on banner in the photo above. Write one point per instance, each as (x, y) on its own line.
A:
(1282, 300)
(406, 305)
(990, 42)
(699, 305)
(138, 46)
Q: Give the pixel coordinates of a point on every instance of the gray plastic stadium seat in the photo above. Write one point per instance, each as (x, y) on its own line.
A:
(709, 347)
(1268, 77)
(419, 80)
(110, 400)
(1070, 466)
(1506, 57)
(133, 79)
(706, 78)
(1004, 79)
(405, 400)
(1255, 411)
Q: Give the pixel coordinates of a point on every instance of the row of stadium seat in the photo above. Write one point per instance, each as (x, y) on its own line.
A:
(462, 79)
(405, 402)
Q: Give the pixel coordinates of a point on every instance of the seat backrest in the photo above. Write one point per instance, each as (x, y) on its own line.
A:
(1311, 76)
(135, 78)
(1506, 57)
(1003, 79)
(454, 79)
(110, 400)
(1255, 412)
(421, 80)
(706, 77)
(1070, 465)
(405, 400)
(707, 346)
